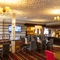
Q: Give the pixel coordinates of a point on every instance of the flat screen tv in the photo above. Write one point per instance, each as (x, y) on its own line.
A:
(17, 28)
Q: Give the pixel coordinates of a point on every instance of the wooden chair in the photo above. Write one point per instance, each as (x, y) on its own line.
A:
(43, 44)
(51, 44)
(4, 52)
(32, 47)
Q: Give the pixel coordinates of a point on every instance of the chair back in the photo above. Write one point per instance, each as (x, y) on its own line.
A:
(48, 46)
(33, 45)
(29, 38)
(49, 55)
(6, 48)
(44, 44)
(51, 42)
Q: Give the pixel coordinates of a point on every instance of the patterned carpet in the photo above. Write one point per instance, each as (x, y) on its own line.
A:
(33, 56)
(22, 55)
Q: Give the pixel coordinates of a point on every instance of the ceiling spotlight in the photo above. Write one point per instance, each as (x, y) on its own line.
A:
(57, 18)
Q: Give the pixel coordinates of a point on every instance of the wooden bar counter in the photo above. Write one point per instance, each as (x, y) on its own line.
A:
(56, 40)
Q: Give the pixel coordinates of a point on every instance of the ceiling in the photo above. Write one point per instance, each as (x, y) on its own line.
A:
(32, 11)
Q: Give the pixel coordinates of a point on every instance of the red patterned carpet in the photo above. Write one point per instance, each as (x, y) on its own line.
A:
(21, 55)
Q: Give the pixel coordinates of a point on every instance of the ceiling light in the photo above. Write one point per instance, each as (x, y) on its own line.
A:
(57, 18)
(5, 10)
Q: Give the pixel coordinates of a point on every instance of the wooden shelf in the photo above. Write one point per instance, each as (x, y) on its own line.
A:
(57, 34)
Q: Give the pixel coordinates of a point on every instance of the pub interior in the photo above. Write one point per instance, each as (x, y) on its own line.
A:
(29, 30)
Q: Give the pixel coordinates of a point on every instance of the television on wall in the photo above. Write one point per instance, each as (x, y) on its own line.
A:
(17, 28)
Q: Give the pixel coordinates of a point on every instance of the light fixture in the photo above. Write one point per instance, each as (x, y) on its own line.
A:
(57, 18)
(5, 10)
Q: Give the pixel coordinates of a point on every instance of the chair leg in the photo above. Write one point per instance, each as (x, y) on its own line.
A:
(30, 52)
(26, 51)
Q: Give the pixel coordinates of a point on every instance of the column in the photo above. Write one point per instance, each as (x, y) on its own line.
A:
(3, 36)
(13, 32)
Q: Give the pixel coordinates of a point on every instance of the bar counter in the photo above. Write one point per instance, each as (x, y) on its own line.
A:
(56, 40)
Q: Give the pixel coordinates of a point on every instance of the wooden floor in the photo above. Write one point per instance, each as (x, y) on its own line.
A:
(56, 50)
